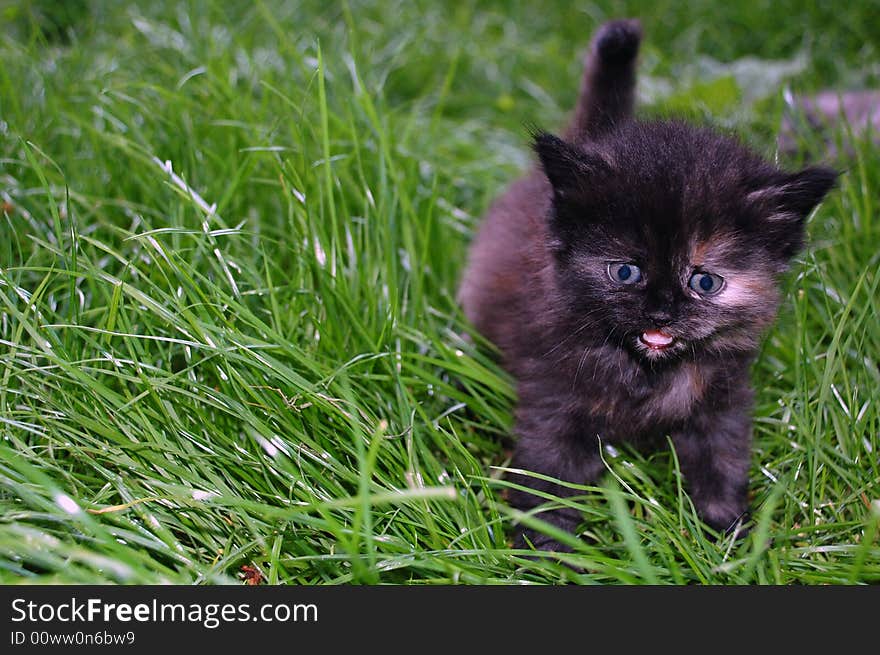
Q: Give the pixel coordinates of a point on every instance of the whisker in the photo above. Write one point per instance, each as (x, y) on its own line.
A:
(578, 330)
(580, 364)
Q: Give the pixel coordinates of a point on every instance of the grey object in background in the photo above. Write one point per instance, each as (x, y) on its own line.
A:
(809, 117)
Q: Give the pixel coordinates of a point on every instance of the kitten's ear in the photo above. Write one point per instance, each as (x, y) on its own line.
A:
(785, 202)
(792, 196)
(565, 165)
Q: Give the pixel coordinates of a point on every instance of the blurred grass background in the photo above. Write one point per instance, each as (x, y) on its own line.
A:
(230, 241)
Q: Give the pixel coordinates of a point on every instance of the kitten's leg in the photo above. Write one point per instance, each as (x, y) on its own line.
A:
(714, 451)
(608, 88)
(557, 446)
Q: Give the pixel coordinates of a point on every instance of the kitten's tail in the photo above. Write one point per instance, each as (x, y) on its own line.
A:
(608, 88)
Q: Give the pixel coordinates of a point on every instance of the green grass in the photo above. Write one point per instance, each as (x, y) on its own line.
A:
(229, 247)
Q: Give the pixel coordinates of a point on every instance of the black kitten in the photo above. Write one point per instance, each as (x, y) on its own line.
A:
(627, 283)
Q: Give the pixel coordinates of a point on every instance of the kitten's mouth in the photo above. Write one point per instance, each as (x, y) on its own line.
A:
(656, 339)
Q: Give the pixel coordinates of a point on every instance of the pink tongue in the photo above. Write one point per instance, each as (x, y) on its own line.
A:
(656, 338)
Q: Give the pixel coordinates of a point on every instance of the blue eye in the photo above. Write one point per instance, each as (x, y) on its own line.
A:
(623, 273)
(706, 284)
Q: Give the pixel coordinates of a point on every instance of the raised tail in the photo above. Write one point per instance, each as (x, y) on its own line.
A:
(607, 91)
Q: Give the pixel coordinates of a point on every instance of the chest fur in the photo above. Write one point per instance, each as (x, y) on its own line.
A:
(646, 400)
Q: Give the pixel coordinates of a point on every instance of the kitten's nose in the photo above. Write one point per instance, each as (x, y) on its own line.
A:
(659, 309)
(659, 313)
(660, 317)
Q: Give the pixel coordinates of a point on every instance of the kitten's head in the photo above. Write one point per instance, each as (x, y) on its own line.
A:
(669, 239)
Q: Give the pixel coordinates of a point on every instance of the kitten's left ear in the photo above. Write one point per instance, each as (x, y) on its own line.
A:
(792, 196)
(784, 204)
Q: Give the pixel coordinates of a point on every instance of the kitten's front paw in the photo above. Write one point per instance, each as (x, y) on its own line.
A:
(540, 543)
(725, 516)
(618, 41)
(526, 539)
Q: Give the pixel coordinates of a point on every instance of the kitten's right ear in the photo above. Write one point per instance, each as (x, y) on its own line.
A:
(566, 166)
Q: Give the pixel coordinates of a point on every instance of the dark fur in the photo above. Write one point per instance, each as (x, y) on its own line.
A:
(671, 198)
